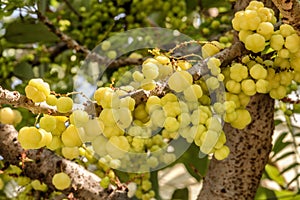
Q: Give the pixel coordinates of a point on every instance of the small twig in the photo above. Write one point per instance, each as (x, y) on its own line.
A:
(37, 119)
(186, 56)
(65, 38)
(171, 51)
(67, 2)
(290, 101)
(81, 93)
(105, 34)
(125, 62)
(73, 44)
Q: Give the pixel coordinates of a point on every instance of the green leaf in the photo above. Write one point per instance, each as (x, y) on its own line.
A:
(289, 167)
(23, 70)
(296, 108)
(285, 155)
(196, 166)
(123, 176)
(288, 195)
(13, 169)
(181, 194)
(296, 178)
(155, 185)
(277, 122)
(27, 117)
(274, 174)
(279, 144)
(263, 193)
(297, 135)
(27, 32)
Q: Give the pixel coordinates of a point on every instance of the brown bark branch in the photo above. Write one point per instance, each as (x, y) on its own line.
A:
(124, 62)
(53, 52)
(242, 4)
(290, 11)
(238, 176)
(16, 99)
(226, 56)
(290, 100)
(73, 44)
(44, 164)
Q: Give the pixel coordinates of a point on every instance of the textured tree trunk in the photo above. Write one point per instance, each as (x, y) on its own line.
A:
(238, 176)
(43, 164)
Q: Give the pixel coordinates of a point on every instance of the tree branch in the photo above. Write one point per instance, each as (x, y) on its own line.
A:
(290, 11)
(125, 61)
(226, 56)
(238, 176)
(43, 164)
(16, 99)
(242, 4)
(290, 100)
(73, 44)
(67, 2)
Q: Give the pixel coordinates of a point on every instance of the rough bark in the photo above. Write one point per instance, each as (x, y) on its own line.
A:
(16, 99)
(242, 4)
(290, 11)
(43, 164)
(238, 176)
(225, 56)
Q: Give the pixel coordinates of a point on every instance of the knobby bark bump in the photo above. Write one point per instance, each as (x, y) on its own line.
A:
(238, 176)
